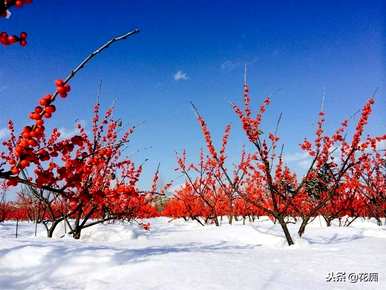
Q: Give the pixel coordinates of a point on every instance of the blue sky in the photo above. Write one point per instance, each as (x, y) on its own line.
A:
(195, 51)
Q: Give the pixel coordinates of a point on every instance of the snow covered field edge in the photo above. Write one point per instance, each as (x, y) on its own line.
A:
(184, 255)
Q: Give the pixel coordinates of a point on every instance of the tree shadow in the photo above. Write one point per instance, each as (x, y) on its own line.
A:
(334, 239)
(86, 256)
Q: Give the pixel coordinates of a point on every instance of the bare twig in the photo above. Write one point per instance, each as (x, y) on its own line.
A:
(80, 66)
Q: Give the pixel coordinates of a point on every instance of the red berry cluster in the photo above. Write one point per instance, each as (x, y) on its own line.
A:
(7, 39)
(62, 88)
(45, 108)
(5, 4)
(32, 135)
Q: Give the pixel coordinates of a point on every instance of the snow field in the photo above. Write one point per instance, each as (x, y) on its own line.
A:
(184, 255)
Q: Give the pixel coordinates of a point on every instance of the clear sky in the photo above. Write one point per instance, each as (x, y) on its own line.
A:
(195, 51)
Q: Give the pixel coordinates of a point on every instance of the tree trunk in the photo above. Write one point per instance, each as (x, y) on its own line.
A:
(328, 221)
(348, 223)
(286, 231)
(36, 227)
(197, 220)
(17, 227)
(76, 233)
(303, 225)
(216, 221)
(51, 229)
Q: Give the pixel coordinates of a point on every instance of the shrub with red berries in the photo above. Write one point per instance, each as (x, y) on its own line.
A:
(346, 176)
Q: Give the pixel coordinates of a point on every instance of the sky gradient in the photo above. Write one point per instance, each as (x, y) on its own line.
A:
(295, 51)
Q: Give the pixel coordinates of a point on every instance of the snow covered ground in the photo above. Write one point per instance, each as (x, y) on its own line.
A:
(179, 255)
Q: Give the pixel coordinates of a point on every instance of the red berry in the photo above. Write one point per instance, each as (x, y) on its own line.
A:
(12, 182)
(39, 123)
(62, 91)
(59, 83)
(32, 142)
(38, 109)
(19, 3)
(12, 39)
(23, 35)
(24, 163)
(35, 116)
(67, 87)
(15, 170)
(23, 143)
(50, 109)
(46, 100)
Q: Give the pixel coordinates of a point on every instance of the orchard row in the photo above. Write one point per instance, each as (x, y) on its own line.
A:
(86, 179)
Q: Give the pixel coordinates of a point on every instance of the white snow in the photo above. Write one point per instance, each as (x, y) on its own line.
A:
(184, 255)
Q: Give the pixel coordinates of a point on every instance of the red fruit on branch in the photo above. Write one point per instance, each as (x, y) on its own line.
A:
(39, 123)
(24, 163)
(23, 36)
(62, 89)
(15, 170)
(59, 83)
(6, 39)
(47, 115)
(35, 116)
(50, 109)
(38, 109)
(12, 182)
(78, 169)
(46, 100)
(12, 39)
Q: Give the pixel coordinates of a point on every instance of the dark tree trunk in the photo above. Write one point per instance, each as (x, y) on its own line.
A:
(230, 219)
(303, 225)
(36, 227)
(198, 220)
(328, 220)
(287, 234)
(76, 234)
(216, 221)
(51, 229)
(17, 228)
